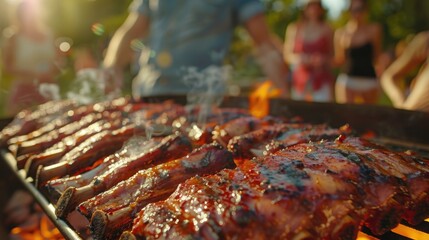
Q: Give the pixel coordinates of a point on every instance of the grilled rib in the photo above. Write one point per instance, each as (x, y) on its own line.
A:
(171, 147)
(56, 187)
(385, 196)
(242, 145)
(116, 208)
(237, 127)
(107, 112)
(97, 146)
(412, 170)
(41, 143)
(27, 121)
(308, 133)
(199, 124)
(70, 116)
(272, 138)
(57, 151)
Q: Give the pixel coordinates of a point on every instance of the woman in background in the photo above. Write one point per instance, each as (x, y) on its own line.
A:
(357, 47)
(414, 57)
(308, 49)
(29, 56)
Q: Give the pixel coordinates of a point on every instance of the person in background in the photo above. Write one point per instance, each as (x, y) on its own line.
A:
(189, 36)
(308, 49)
(29, 56)
(357, 48)
(84, 59)
(415, 56)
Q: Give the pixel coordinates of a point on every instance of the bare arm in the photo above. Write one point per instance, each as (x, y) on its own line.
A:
(119, 53)
(391, 78)
(269, 57)
(339, 50)
(419, 96)
(288, 52)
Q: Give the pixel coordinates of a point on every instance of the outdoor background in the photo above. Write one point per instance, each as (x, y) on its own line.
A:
(89, 24)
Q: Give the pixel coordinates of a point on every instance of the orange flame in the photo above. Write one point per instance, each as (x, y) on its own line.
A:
(410, 232)
(259, 100)
(401, 230)
(44, 230)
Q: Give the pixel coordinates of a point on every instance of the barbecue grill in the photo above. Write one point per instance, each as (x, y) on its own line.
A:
(397, 129)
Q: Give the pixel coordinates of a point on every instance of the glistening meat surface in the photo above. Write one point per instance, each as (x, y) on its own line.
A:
(171, 147)
(113, 211)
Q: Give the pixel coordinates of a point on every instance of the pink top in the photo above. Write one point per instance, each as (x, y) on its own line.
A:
(303, 74)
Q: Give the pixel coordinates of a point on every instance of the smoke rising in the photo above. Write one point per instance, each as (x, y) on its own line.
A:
(207, 89)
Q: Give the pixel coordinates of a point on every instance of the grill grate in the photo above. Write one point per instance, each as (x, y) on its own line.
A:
(333, 114)
(403, 232)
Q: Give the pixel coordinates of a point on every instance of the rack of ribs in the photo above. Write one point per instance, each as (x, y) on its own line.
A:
(113, 211)
(170, 148)
(42, 142)
(233, 205)
(54, 188)
(237, 127)
(110, 121)
(65, 117)
(100, 144)
(54, 153)
(27, 121)
(411, 170)
(36, 145)
(385, 196)
(53, 120)
(317, 190)
(269, 139)
(128, 166)
(200, 129)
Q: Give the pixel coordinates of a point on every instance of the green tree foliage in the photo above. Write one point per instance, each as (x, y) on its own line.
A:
(399, 18)
(75, 18)
(279, 13)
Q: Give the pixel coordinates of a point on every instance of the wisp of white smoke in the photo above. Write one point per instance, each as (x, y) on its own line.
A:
(89, 87)
(50, 91)
(207, 89)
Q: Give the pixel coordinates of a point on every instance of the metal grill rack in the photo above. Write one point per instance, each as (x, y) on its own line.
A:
(396, 128)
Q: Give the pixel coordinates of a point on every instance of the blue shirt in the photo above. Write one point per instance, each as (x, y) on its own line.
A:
(187, 40)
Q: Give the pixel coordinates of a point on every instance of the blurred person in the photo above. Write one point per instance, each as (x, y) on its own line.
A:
(387, 57)
(187, 40)
(308, 49)
(357, 48)
(29, 56)
(414, 56)
(84, 59)
(384, 60)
